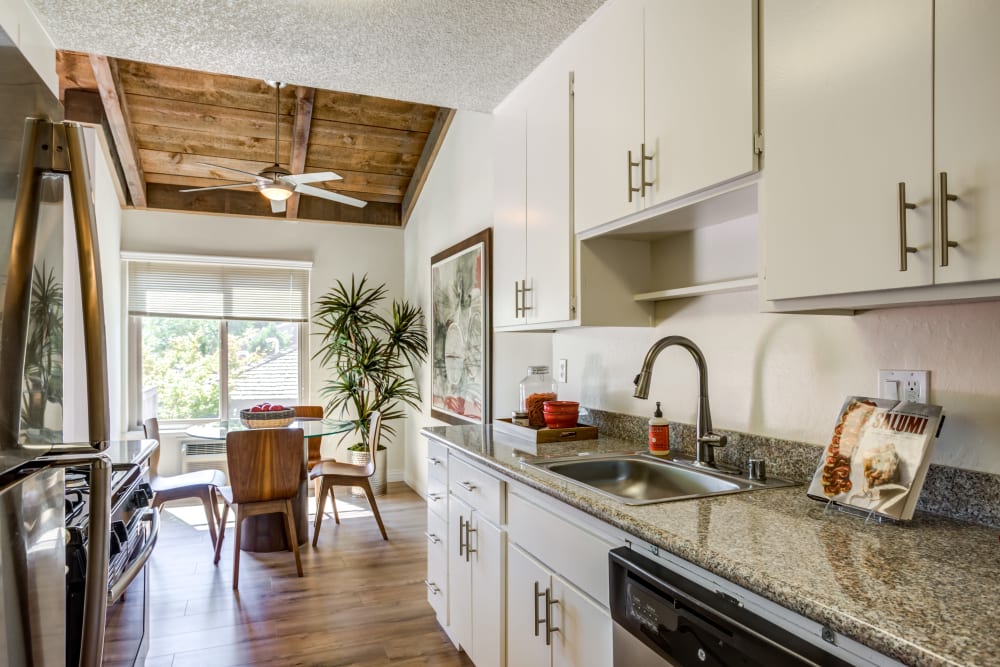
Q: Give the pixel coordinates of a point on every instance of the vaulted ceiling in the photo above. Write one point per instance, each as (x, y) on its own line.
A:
(164, 123)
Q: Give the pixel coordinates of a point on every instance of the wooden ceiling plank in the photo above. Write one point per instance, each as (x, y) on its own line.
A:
(179, 114)
(304, 98)
(239, 202)
(423, 168)
(74, 72)
(208, 146)
(116, 111)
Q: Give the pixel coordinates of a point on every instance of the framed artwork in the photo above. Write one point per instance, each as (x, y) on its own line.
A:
(461, 331)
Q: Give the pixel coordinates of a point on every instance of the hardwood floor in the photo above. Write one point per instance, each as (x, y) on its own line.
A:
(362, 600)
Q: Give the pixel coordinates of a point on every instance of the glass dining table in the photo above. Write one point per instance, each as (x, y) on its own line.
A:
(266, 532)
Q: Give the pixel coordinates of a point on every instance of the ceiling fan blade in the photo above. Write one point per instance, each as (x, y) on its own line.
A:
(297, 179)
(332, 196)
(277, 206)
(221, 187)
(238, 171)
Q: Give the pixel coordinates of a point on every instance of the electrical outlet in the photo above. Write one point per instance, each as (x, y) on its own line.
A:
(561, 373)
(902, 385)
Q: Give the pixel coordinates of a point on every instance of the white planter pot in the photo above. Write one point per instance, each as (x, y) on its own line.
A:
(378, 480)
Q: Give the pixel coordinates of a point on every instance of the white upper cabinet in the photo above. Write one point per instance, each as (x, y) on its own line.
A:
(867, 106)
(607, 116)
(533, 232)
(700, 94)
(847, 117)
(508, 212)
(665, 103)
(967, 138)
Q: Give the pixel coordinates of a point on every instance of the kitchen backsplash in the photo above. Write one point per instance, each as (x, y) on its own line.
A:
(966, 495)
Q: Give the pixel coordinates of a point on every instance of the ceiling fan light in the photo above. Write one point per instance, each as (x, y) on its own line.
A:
(277, 191)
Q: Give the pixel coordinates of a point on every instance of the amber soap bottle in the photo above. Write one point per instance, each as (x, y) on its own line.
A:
(659, 433)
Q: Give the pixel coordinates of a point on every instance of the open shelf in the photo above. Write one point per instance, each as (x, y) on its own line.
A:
(720, 287)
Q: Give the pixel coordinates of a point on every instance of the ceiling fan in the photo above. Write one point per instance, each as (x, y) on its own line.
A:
(277, 183)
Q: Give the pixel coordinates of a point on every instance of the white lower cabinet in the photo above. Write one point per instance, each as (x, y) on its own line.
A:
(476, 584)
(550, 621)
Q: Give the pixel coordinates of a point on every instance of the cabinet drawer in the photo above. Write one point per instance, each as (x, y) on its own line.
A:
(573, 552)
(437, 497)
(437, 564)
(479, 489)
(437, 460)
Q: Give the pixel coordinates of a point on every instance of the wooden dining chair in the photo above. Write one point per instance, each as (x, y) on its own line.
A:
(334, 473)
(265, 470)
(200, 484)
(314, 455)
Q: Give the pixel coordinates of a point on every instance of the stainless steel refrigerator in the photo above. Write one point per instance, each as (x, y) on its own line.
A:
(47, 231)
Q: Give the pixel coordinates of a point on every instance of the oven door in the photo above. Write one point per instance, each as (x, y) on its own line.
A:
(126, 637)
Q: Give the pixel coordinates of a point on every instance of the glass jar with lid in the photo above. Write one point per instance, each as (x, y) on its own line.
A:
(536, 388)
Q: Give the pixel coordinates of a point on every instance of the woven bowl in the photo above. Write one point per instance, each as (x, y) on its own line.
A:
(272, 419)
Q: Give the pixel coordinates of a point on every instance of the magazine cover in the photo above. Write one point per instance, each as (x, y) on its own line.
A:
(878, 456)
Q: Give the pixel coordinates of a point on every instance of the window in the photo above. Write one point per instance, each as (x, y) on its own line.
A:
(210, 336)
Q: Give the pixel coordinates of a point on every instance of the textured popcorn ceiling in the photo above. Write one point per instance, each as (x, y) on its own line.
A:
(466, 54)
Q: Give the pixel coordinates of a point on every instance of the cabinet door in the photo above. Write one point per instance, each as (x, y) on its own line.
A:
(607, 113)
(584, 637)
(846, 118)
(437, 566)
(487, 542)
(549, 233)
(700, 94)
(525, 647)
(459, 577)
(508, 211)
(967, 136)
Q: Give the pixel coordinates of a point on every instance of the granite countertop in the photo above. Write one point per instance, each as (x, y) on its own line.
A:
(130, 451)
(923, 592)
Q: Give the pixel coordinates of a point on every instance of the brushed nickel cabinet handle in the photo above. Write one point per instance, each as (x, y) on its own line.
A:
(524, 297)
(434, 539)
(904, 206)
(631, 189)
(517, 308)
(945, 198)
(432, 587)
(642, 171)
(468, 486)
(433, 460)
(461, 542)
(468, 542)
(538, 619)
(549, 628)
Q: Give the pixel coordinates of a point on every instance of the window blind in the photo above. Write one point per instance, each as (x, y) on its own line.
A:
(218, 290)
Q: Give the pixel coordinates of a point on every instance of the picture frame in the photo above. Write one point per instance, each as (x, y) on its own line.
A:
(462, 331)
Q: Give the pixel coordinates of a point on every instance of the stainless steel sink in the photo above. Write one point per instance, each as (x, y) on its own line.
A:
(640, 479)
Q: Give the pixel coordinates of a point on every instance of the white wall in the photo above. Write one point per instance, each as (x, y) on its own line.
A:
(786, 375)
(336, 250)
(457, 202)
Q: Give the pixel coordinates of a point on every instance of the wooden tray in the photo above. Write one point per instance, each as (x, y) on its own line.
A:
(544, 434)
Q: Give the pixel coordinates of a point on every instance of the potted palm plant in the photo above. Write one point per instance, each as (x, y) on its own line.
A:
(370, 353)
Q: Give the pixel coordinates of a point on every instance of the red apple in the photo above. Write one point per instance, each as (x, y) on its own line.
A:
(256, 408)
(276, 408)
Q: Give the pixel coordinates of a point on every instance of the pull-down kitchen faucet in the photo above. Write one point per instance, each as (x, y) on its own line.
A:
(706, 439)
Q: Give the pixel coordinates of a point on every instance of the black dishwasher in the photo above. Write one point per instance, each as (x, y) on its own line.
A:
(662, 618)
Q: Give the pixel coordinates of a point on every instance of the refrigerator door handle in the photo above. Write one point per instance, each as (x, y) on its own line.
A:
(99, 416)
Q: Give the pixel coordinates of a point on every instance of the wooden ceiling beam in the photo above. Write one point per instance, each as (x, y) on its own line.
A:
(434, 141)
(304, 98)
(116, 111)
